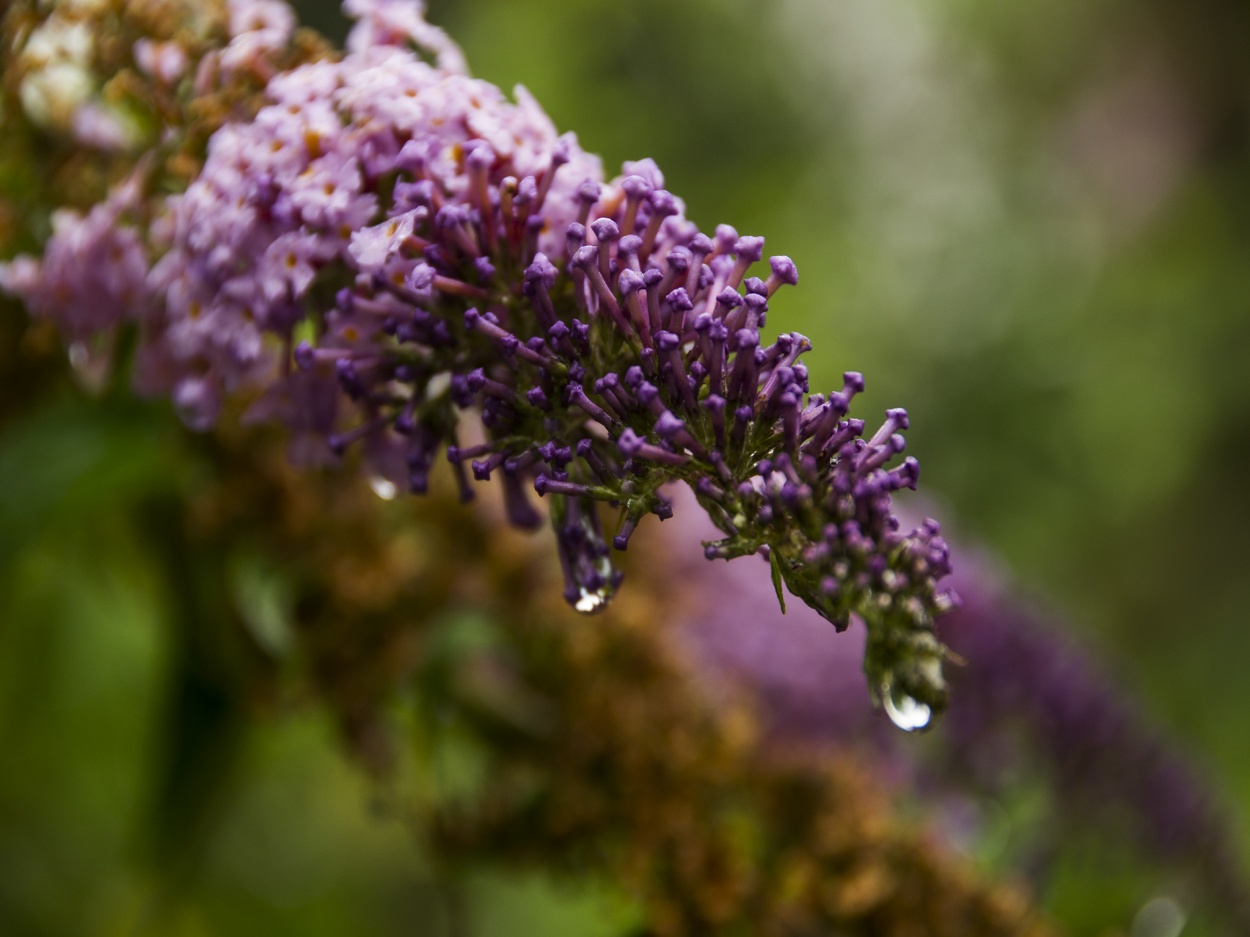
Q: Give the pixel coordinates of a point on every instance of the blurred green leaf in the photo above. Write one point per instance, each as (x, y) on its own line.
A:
(74, 458)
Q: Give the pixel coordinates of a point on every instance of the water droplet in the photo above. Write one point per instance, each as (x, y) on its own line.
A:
(79, 356)
(588, 602)
(1159, 917)
(91, 365)
(590, 574)
(906, 713)
(384, 488)
(437, 384)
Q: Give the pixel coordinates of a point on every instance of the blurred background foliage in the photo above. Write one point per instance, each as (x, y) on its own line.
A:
(1029, 223)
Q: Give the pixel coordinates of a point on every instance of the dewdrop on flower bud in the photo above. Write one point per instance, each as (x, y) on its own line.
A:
(905, 712)
(383, 487)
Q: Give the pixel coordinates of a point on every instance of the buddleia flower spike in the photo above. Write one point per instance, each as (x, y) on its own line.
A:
(406, 262)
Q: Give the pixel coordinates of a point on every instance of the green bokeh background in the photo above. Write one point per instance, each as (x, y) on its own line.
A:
(1029, 223)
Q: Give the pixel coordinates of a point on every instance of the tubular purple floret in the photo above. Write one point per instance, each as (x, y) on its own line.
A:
(661, 507)
(484, 268)
(628, 524)
(701, 247)
(478, 159)
(632, 286)
(823, 424)
(872, 458)
(748, 250)
(560, 156)
(715, 406)
(576, 395)
(574, 238)
(540, 277)
(541, 272)
(457, 454)
(630, 282)
(679, 305)
(587, 196)
(479, 383)
(801, 376)
(668, 350)
(648, 395)
(514, 465)
(305, 356)
(454, 223)
(588, 193)
(907, 475)
(349, 379)
(482, 468)
(673, 429)
(839, 403)
(707, 488)
(587, 260)
(558, 335)
(846, 432)
(784, 273)
(635, 447)
(677, 263)
(790, 404)
(586, 452)
(717, 335)
(896, 419)
(526, 196)
(517, 507)
(742, 419)
(663, 205)
(725, 238)
(651, 279)
(544, 311)
(555, 455)
(627, 253)
(488, 325)
(338, 442)
(744, 373)
(606, 234)
(636, 189)
(727, 300)
(609, 391)
(545, 485)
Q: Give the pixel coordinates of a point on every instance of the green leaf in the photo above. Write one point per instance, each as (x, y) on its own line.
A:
(777, 580)
(73, 459)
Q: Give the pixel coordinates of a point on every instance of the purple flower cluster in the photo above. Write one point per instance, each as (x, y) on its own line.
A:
(390, 243)
(93, 271)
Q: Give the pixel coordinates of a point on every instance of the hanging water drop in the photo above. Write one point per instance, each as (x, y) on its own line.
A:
(383, 487)
(907, 713)
(590, 601)
(91, 364)
(79, 356)
(590, 577)
(1160, 917)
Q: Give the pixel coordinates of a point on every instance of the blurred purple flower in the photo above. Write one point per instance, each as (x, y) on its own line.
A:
(1029, 699)
(1026, 703)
